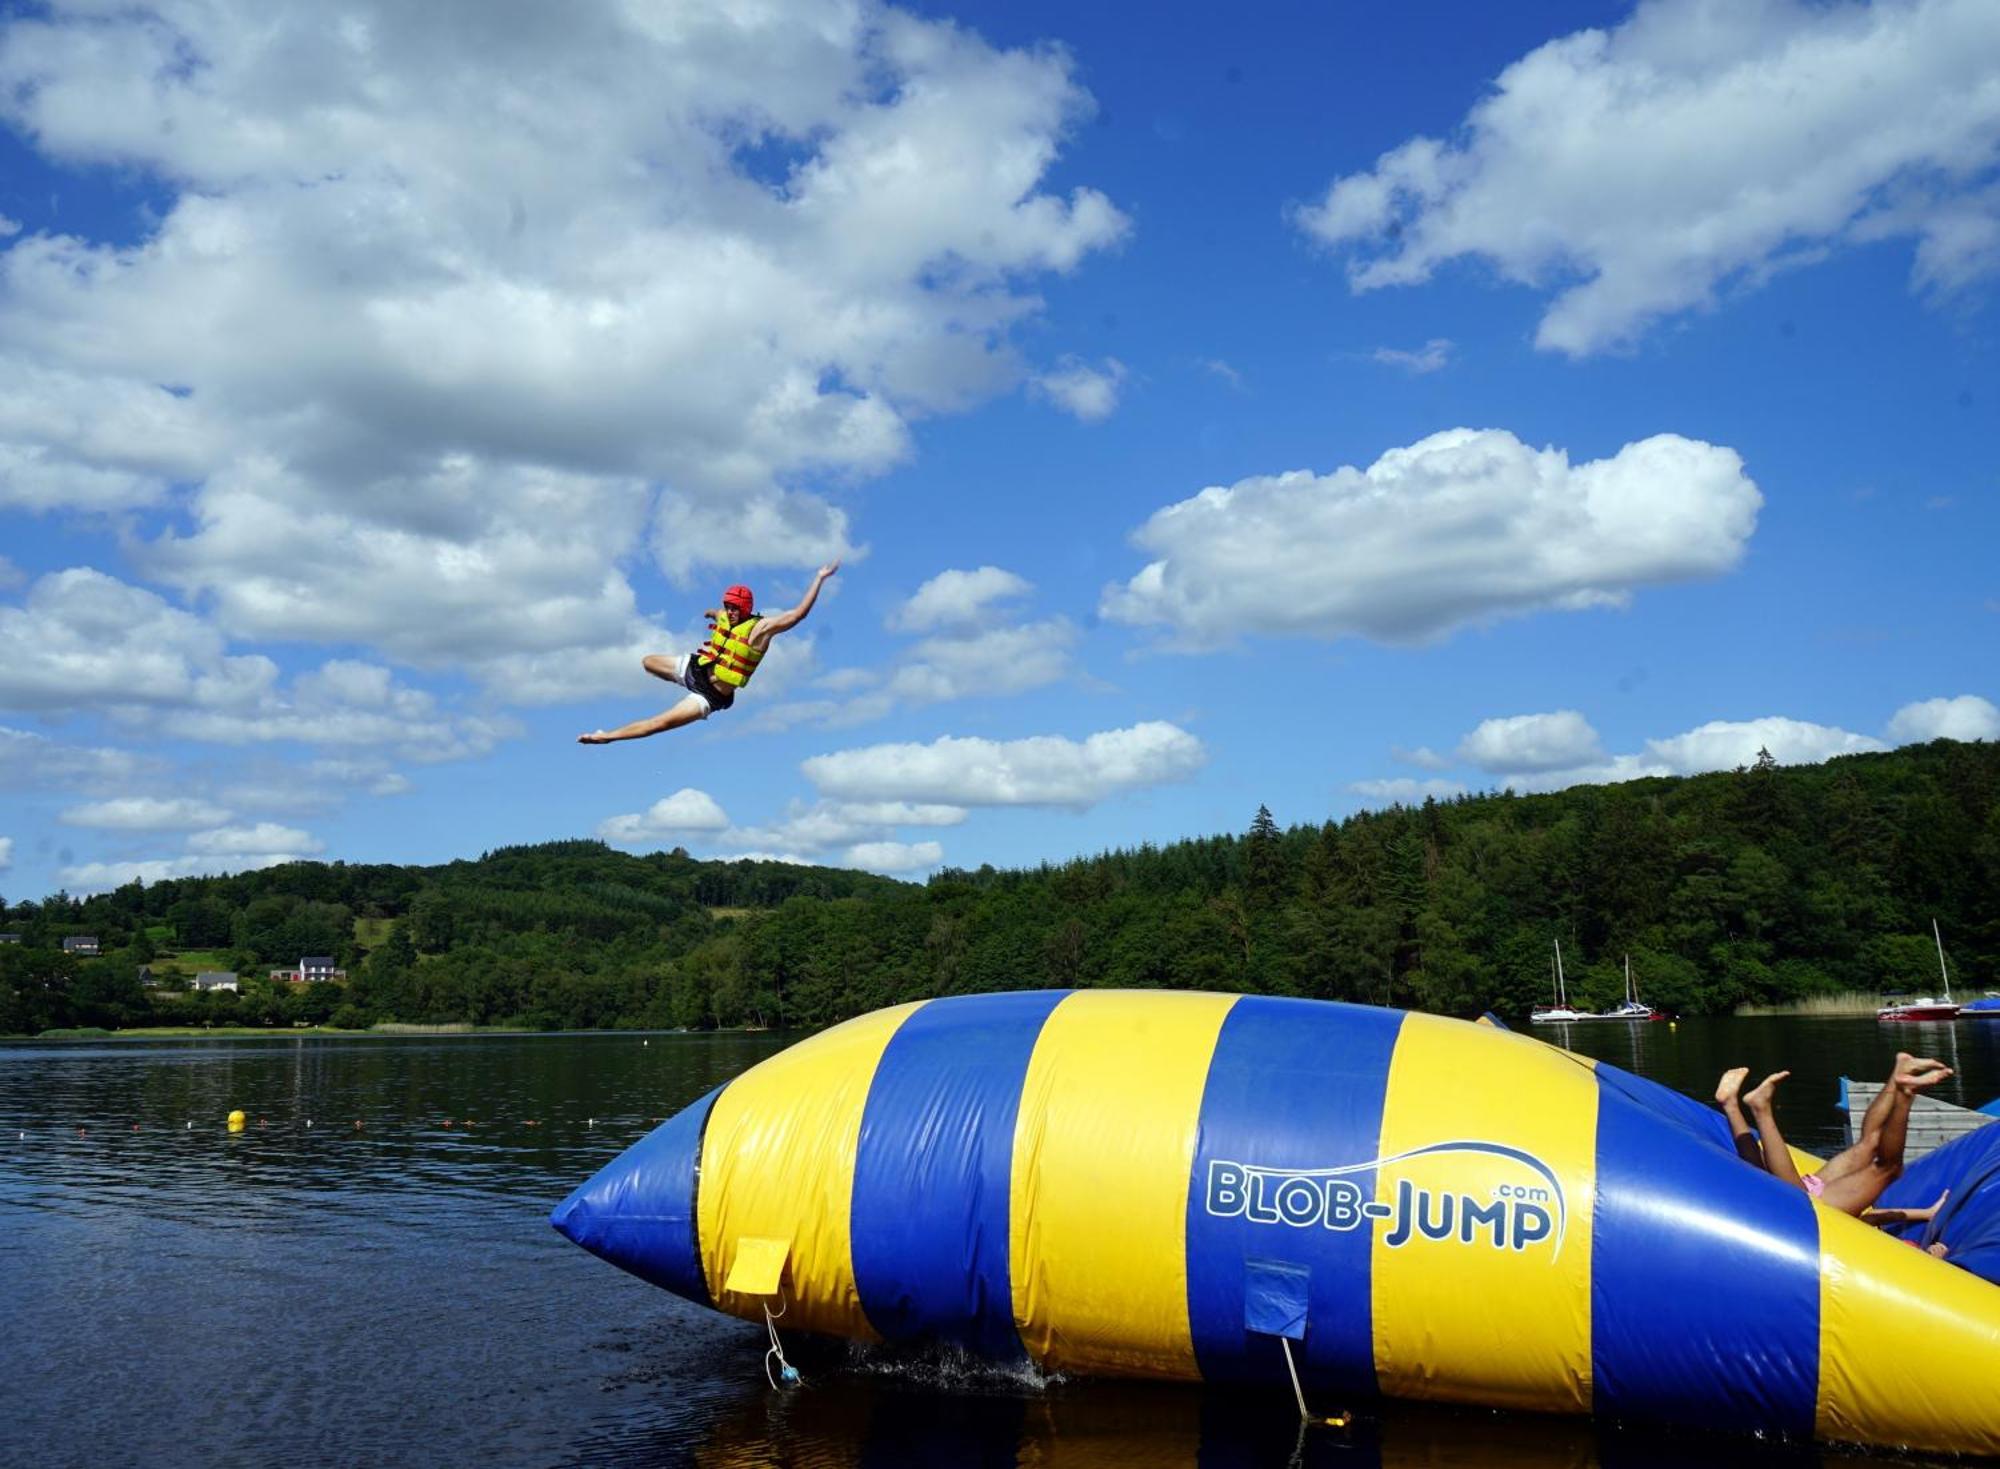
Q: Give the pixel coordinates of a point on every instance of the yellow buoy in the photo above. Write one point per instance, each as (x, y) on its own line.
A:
(236, 1120)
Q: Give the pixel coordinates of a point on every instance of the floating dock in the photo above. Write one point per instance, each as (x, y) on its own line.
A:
(1932, 1123)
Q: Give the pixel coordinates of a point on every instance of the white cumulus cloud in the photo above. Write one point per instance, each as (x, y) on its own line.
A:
(960, 662)
(82, 638)
(99, 877)
(1463, 526)
(30, 761)
(219, 850)
(6, 853)
(1639, 171)
(1967, 717)
(369, 776)
(1089, 393)
(1433, 356)
(429, 355)
(957, 599)
(894, 857)
(346, 703)
(263, 838)
(1724, 744)
(1526, 742)
(1044, 770)
(1720, 744)
(1423, 757)
(686, 810)
(1402, 790)
(146, 813)
(822, 826)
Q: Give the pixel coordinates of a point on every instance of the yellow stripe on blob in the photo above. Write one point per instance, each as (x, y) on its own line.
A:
(1103, 1147)
(777, 1168)
(1909, 1346)
(1481, 1262)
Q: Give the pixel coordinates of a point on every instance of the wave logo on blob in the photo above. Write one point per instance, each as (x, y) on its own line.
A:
(1505, 1214)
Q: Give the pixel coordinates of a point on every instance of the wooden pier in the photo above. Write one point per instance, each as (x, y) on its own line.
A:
(1932, 1123)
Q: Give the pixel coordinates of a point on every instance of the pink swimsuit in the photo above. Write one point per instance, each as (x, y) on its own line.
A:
(1813, 1184)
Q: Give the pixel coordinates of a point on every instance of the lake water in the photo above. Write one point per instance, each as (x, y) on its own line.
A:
(311, 1292)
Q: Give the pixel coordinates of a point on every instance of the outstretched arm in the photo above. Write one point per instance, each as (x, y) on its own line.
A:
(769, 627)
(1886, 1217)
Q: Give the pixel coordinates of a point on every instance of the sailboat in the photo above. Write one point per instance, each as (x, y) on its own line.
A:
(1634, 1008)
(1926, 1008)
(1560, 1012)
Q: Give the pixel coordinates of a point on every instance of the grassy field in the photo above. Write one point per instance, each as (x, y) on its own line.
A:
(191, 961)
(368, 932)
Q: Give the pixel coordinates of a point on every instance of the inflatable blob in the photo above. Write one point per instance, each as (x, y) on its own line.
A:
(1190, 1186)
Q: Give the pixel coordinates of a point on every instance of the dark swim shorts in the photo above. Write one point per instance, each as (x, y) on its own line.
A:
(694, 678)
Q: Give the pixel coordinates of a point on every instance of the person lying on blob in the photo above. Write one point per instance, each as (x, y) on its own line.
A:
(1854, 1179)
(712, 674)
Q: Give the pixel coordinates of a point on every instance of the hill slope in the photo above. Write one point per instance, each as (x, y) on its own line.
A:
(1766, 884)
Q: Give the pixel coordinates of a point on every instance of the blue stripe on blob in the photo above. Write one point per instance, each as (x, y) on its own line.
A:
(638, 1210)
(1704, 1279)
(1698, 1119)
(933, 1169)
(1293, 1085)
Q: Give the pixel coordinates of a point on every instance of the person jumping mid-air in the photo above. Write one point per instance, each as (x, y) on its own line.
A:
(713, 673)
(1852, 1180)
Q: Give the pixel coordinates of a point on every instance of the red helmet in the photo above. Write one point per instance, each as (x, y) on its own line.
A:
(738, 599)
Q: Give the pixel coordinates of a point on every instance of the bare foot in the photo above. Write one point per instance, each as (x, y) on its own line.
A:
(1759, 1098)
(595, 737)
(1730, 1087)
(1937, 1251)
(1918, 1073)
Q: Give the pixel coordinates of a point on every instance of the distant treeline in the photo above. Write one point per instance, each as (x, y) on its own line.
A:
(1766, 884)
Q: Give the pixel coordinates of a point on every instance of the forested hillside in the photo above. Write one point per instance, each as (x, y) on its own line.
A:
(1764, 884)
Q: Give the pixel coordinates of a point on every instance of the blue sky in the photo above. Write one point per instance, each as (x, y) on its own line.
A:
(1317, 408)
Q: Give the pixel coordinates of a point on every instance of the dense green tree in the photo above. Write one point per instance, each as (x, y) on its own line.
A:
(1265, 870)
(1766, 883)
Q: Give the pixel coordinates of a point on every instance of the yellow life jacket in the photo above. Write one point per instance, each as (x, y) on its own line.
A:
(727, 655)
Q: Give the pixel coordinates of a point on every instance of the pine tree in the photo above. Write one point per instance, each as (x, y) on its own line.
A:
(1264, 861)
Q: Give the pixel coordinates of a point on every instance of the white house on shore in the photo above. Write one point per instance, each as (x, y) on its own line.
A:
(313, 969)
(85, 944)
(217, 979)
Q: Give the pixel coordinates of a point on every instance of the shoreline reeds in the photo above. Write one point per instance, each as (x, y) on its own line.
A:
(1846, 1003)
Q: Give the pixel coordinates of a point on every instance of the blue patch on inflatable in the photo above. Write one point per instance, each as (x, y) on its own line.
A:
(1704, 1279)
(1274, 1298)
(1293, 1084)
(638, 1211)
(1969, 1223)
(933, 1171)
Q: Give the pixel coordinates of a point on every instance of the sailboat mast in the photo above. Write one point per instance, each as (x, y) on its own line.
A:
(1629, 996)
(1942, 971)
(1562, 990)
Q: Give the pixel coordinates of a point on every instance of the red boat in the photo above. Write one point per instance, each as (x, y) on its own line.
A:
(1926, 1008)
